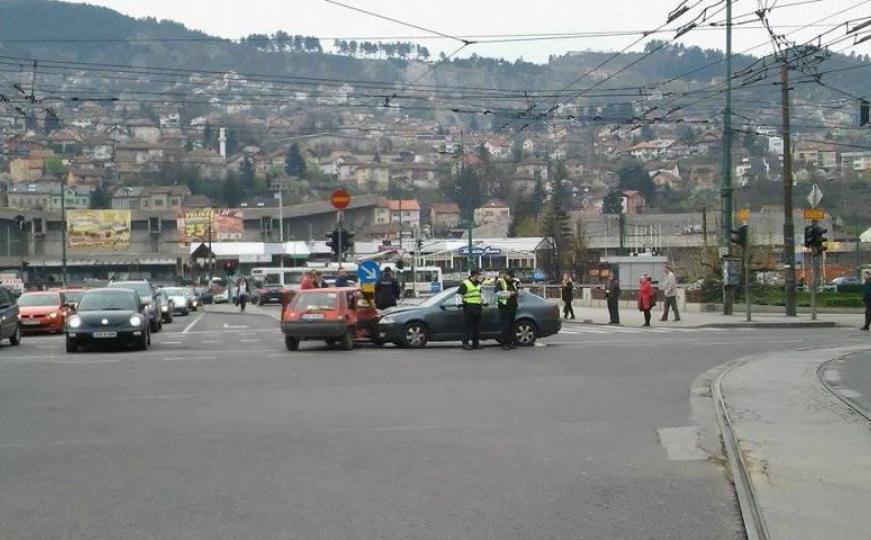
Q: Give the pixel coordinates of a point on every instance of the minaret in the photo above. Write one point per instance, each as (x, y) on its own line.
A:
(222, 138)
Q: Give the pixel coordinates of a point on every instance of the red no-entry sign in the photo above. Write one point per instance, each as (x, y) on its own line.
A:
(340, 199)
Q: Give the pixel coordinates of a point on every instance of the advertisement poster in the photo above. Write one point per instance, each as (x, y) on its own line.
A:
(196, 224)
(98, 229)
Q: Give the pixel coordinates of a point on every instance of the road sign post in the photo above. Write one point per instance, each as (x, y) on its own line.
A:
(368, 273)
(340, 199)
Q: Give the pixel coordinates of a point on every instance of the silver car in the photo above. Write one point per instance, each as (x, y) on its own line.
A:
(180, 299)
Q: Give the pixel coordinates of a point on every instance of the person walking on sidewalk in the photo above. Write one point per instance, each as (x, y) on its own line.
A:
(242, 292)
(669, 289)
(612, 296)
(473, 306)
(866, 299)
(646, 300)
(568, 294)
(506, 299)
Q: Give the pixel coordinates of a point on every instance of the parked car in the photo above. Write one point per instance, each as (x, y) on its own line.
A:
(336, 315)
(149, 298)
(43, 312)
(10, 326)
(440, 318)
(111, 315)
(221, 297)
(180, 299)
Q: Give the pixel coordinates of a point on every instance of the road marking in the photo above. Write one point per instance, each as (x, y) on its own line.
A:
(681, 443)
(182, 358)
(192, 323)
(210, 341)
(235, 327)
(170, 343)
(249, 341)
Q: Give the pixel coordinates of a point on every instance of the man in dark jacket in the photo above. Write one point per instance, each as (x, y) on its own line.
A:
(866, 298)
(612, 295)
(387, 290)
(506, 299)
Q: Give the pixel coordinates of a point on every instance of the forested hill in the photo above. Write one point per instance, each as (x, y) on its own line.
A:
(52, 30)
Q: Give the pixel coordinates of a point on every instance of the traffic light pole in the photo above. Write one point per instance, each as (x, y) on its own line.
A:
(788, 224)
(747, 299)
(726, 193)
(814, 273)
(339, 237)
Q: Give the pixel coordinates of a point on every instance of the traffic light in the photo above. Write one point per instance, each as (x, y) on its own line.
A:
(821, 239)
(333, 241)
(739, 236)
(809, 236)
(814, 238)
(340, 242)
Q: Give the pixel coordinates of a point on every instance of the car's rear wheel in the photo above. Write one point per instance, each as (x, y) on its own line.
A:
(155, 324)
(15, 338)
(72, 346)
(142, 342)
(291, 343)
(347, 341)
(415, 335)
(525, 332)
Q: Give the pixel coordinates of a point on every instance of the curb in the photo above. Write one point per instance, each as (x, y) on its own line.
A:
(821, 379)
(760, 324)
(751, 514)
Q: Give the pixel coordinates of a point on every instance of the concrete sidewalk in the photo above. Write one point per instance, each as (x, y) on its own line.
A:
(633, 317)
(805, 453)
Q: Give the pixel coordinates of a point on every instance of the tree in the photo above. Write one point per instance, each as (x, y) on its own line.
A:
(246, 174)
(208, 135)
(55, 166)
(613, 202)
(467, 193)
(579, 252)
(100, 200)
(634, 176)
(294, 164)
(556, 224)
(231, 190)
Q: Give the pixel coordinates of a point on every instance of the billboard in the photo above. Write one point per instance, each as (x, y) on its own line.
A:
(196, 225)
(98, 229)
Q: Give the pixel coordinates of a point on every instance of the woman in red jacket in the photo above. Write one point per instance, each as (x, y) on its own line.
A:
(645, 298)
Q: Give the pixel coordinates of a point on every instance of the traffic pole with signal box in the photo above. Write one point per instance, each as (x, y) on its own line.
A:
(741, 237)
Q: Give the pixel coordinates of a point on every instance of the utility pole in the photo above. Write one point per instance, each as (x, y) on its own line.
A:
(747, 299)
(63, 218)
(281, 224)
(726, 187)
(788, 225)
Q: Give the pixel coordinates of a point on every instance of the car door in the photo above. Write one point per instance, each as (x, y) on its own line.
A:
(491, 326)
(446, 320)
(8, 313)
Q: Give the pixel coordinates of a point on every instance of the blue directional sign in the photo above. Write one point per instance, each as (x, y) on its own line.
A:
(369, 272)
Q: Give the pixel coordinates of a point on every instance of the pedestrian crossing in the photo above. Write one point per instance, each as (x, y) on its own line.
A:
(615, 330)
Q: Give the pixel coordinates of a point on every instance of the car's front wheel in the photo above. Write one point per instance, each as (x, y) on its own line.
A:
(291, 343)
(415, 335)
(143, 342)
(15, 338)
(72, 346)
(347, 341)
(525, 332)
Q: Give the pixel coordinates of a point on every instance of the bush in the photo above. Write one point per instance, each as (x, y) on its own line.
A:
(849, 302)
(851, 289)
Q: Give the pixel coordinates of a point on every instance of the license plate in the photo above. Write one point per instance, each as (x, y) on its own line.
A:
(30, 322)
(312, 316)
(105, 334)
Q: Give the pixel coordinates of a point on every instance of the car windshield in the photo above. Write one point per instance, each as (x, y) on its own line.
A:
(28, 299)
(107, 301)
(73, 297)
(174, 291)
(439, 298)
(141, 288)
(315, 301)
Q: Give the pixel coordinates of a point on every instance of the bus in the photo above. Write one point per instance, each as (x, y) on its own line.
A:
(425, 280)
(291, 277)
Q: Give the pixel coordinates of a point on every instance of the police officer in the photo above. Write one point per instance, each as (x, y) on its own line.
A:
(506, 299)
(473, 305)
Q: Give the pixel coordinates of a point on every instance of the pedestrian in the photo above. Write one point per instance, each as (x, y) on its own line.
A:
(473, 306)
(612, 297)
(242, 292)
(506, 299)
(342, 279)
(319, 281)
(387, 290)
(646, 300)
(866, 299)
(568, 294)
(308, 281)
(669, 289)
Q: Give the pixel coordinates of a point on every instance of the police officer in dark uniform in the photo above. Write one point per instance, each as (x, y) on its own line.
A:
(473, 305)
(506, 299)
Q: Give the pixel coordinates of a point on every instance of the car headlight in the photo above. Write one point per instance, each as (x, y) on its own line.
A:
(52, 315)
(135, 320)
(387, 319)
(75, 321)
(164, 308)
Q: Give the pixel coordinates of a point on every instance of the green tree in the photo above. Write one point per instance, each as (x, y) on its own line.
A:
(231, 190)
(55, 166)
(613, 202)
(294, 164)
(556, 224)
(632, 175)
(246, 174)
(100, 199)
(467, 193)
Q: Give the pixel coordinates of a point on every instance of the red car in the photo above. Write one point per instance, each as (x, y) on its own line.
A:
(43, 312)
(334, 315)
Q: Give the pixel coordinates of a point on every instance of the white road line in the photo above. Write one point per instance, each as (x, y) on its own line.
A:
(210, 341)
(171, 342)
(192, 323)
(249, 341)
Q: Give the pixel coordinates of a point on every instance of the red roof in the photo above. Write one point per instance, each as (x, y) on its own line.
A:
(407, 204)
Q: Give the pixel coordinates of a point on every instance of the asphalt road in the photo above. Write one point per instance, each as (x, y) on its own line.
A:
(218, 432)
(854, 379)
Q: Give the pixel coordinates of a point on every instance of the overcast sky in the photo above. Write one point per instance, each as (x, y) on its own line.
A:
(235, 18)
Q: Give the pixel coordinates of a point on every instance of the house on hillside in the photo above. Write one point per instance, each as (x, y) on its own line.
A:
(634, 202)
(391, 211)
(26, 169)
(645, 151)
(444, 216)
(150, 197)
(494, 211)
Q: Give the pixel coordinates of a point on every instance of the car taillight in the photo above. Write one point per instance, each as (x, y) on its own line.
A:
(262, 291)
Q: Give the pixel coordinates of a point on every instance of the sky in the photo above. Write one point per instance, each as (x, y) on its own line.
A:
(236, 18)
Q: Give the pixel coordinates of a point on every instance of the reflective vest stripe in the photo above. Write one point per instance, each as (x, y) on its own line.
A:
(473, 293)
(503, 286)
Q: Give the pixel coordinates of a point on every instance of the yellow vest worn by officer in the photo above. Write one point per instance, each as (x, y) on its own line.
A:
(473, 293)
(504, 292)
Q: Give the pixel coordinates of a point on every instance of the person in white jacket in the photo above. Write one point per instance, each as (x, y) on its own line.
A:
(669, 289)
